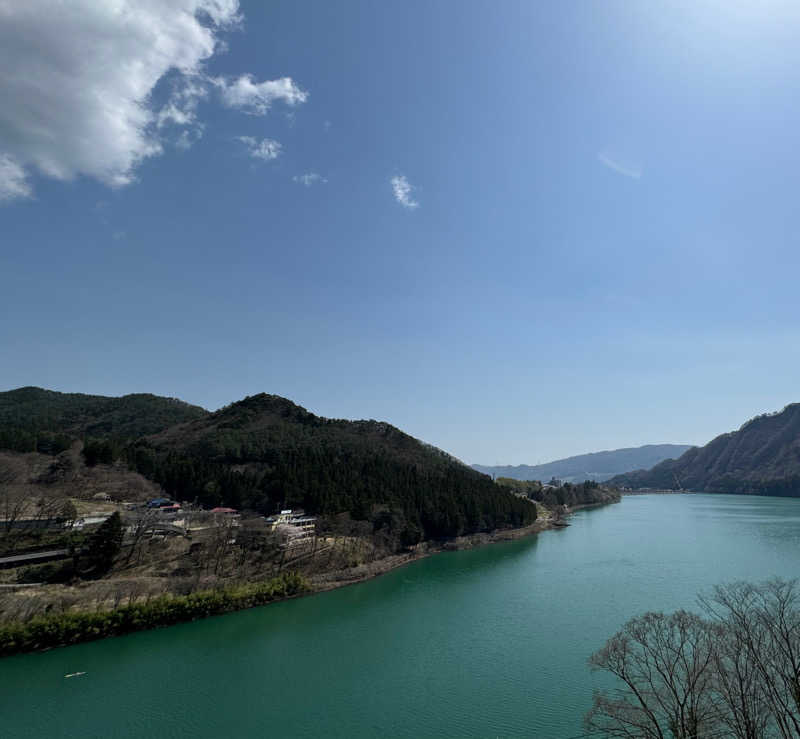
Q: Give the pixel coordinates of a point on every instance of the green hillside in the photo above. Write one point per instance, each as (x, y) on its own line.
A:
(34, 419)
(267, 453)
(762, 457)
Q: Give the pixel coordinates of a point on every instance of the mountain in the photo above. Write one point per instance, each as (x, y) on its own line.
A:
(263, 453)
(32, 418)
(597, 466)
(762, 457)
(267, 453)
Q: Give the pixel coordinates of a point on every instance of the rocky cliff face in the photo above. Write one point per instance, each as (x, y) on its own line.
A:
(762, 457)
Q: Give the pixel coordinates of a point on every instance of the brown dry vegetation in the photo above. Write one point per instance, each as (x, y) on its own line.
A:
(343, 552)
(35, 488)
(66, 475)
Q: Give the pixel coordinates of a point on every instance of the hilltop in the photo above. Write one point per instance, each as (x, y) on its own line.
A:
(35, 419)
(262, 453)
(762, 457)
(266, 453)
(597, 466)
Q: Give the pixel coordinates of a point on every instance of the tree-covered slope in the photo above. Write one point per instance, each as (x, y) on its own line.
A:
(572, 495)
(265, 452)
(597, 466)
(32, 418)
(762, 457)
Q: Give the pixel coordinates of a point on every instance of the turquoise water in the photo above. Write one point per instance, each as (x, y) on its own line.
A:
(484, 643)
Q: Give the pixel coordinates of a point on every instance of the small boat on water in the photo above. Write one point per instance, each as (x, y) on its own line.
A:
(75, 674)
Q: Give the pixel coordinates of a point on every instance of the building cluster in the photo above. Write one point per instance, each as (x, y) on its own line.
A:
(166, 516)
(294, 525)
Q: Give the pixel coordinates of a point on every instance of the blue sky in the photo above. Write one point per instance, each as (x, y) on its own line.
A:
(516, 230)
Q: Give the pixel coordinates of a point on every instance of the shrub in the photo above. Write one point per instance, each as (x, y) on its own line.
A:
(52, 630)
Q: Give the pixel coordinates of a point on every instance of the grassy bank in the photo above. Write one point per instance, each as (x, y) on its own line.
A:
(44, 632)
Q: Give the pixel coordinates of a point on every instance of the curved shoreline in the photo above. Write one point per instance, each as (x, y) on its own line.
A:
(175, 611)
(361, 573)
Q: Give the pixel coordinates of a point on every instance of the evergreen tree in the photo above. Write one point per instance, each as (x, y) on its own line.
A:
(105, 544)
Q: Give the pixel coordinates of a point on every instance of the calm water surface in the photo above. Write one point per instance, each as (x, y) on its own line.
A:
(485, 643)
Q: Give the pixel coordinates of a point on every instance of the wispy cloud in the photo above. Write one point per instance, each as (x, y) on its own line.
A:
(189, 137)
(266, 149)
(402, 189)
(620, 166)
(13, 183)
(256, 98)
(308, 179)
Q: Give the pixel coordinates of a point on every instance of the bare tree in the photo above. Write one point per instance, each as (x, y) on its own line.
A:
(763, 626)
(735, 673)
(220, 542)
(13, 501)
(665, 663)
(140, 522)
(254, 540)
(744, 710)
(48, 508)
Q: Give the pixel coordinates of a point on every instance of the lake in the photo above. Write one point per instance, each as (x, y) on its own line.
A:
(490, 642)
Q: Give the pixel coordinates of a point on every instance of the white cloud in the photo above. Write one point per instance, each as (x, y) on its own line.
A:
(402, 191)
(76, 78)
(77, 81)
(189, 137)
(618, 165)
(13, 183)
(266, 149)
(308, 179)
(257, 97)
(181, 108)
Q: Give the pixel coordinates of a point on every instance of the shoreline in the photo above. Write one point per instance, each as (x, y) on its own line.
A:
(362, 573)
(656, 492)
(313, 585)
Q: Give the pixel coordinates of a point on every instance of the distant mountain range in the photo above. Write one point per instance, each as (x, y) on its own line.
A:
(762, 457)
(597, 466)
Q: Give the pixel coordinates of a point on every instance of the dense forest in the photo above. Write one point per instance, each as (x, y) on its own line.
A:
(265, 453)
(761, 458)
(556, 493)
(33, 419)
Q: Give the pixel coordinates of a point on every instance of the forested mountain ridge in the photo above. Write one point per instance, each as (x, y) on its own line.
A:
(266, 453)
(598, 466)
(762, 457)
(35, 419)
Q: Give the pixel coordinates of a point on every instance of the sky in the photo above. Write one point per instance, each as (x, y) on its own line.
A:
(518, 231)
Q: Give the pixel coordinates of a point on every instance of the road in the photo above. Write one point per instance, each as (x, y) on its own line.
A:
(33, 558)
